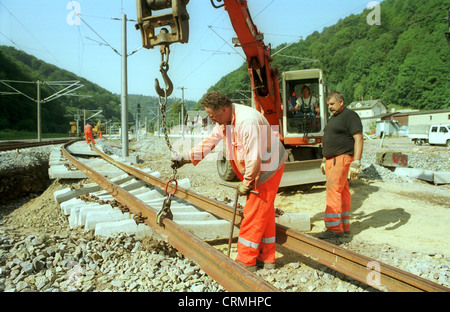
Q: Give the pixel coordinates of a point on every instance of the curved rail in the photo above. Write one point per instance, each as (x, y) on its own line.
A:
(20, 145)
(364, 269)
(230, 274)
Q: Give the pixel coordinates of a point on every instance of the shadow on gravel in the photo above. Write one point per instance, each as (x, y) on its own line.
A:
(395, 218)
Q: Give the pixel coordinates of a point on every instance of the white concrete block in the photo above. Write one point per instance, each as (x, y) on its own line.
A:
(295, 220)
(156, 174)
(151, 195)
(184, 183)
(67, 206)
(123, 226)
(85, 210)
(93, 218)
(60, 171)
(57, 161)
(208, 230)
(66, 194)
(192, 216)
(73, 218)
(421, 174)
(139, 191)
(144, 230)
(442, 177)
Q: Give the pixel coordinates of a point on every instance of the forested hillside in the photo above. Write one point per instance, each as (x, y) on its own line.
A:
(18, 112)
(403, 61)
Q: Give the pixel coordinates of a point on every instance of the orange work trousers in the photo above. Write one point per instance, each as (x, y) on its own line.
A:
(258, 229)
(338, 198)
(88, 136)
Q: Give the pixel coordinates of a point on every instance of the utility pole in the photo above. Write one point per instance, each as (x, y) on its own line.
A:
(182, 109)
(68, 88)
(124, 95)
(38, 101)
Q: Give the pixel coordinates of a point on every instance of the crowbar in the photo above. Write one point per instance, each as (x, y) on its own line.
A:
(234, 212)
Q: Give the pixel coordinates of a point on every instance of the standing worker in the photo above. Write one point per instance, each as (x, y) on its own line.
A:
(257, 157)
(88, 133)
(342, 150)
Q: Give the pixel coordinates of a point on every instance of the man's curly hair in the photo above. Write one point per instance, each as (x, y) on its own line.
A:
(215, 100)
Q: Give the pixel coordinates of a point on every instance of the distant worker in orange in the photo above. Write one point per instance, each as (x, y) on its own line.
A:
(88, 133)
(257, 157)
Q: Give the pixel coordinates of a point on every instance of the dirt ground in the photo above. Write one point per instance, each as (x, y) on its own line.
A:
(413, 216)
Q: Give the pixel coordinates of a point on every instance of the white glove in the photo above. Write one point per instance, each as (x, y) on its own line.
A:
(355, 170)
(322, 167)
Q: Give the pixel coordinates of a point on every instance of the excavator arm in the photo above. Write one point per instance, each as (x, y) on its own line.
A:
(264, 77)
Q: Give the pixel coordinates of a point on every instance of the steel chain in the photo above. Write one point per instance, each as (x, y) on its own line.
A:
(165, 211)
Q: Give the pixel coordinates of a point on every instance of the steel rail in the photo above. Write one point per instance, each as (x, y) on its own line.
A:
(376, 274)
(228, 273)
(21, 145)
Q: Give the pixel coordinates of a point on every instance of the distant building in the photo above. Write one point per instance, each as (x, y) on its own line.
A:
(196, 118)
(429, 117)
(368, 108)
(369, 112)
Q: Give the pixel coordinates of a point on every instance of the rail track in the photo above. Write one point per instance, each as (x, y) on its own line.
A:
(18, 145)
(231, 275)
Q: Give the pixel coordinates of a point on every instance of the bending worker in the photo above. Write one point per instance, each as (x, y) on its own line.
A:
(257, 157)
(342, 150)
(88, 133)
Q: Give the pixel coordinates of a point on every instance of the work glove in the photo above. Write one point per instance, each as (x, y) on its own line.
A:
(322, 167)
(355, 170)
(179, 160)
(243, 189)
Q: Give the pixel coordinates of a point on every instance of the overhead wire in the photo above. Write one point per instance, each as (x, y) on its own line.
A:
(98, 35)
(29, 32)
(202, 39)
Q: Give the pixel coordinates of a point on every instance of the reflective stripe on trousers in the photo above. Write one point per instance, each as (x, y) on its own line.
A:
(258, 229)
(337, 212)
(343, 218)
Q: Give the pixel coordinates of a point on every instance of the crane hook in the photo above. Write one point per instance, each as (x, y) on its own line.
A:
(164, 68)
(169, 86)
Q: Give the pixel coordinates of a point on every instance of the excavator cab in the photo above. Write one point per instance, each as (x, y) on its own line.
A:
(305, 106)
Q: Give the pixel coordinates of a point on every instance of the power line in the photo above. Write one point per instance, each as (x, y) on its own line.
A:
(210, 27)
(29, 32)
(105, 42)
(264, 9)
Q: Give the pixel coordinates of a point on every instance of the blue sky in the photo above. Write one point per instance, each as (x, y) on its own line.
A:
(41, 28)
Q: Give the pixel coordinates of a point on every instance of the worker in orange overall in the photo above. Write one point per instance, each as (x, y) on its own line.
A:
(342, 150)
(257, 157)
(88, 133)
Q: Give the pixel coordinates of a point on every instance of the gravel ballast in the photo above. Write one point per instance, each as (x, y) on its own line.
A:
(38, 252)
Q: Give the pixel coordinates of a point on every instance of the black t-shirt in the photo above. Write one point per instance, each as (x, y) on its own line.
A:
(338, 134)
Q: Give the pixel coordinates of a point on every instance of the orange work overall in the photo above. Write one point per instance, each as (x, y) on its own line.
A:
(337, 212)
(258, 229)
(88, 135)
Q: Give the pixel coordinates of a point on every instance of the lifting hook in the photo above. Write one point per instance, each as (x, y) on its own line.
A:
(164, 68)
(169, 86)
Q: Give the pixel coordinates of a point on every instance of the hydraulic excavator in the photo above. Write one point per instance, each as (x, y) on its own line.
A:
(301, 132)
